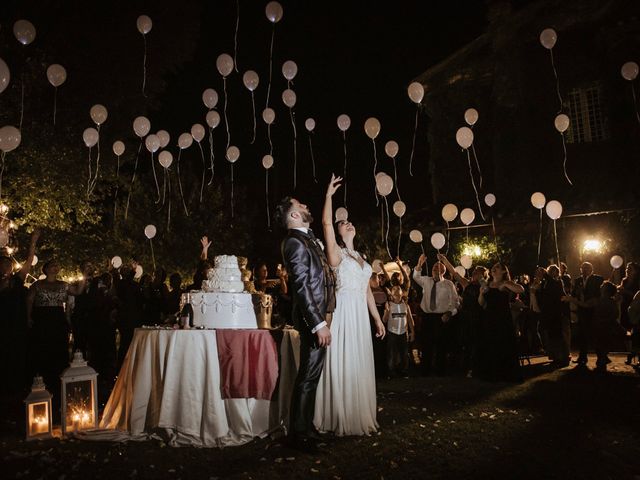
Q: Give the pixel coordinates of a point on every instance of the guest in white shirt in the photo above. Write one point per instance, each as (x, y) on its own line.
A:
(439, 303)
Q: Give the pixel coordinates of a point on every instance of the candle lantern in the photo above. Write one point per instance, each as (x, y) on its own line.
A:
(38, 411)
(79, 396)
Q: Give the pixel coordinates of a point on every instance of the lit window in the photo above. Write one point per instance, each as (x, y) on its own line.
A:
(588, 123)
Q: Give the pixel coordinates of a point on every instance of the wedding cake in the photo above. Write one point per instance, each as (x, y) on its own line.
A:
(222, 302)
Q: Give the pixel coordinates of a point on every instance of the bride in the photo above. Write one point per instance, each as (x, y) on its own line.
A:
(346, 395)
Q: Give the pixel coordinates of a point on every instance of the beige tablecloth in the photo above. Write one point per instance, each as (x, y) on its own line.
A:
(169, 387)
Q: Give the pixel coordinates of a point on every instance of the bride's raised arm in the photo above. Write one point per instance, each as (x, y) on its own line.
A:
(332, 248)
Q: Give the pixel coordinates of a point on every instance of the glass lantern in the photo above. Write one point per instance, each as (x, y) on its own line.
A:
(38, 411)
(79, 396)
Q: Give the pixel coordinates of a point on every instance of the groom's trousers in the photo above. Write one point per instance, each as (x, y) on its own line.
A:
(303, 400)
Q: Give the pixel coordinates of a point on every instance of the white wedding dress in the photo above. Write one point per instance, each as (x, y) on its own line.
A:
(346, 395)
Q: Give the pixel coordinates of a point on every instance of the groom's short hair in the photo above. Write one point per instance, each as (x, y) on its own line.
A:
(282, 212)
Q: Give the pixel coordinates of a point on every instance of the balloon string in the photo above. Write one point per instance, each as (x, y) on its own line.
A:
(555, 236)
(555, 74)
(295, 147)
(180, 185)
(381, 223)
(144, 67)
(473, 149)
(133, 179)
(635, 102)
(169, 200)
(270, 142)
(386, 240)
(203, 170)
(344, 173)
(564, 162)
(399, 236)
(226, 120)
(55, 104)
(153, 257)
(413, 146)
(2, 172)
(395, 178)
(155, 177)
(253, 104)
(474, 183)
(539, 238)
(164, 186)
(95, 178)
(313, 162)
(235, 38)
(266, 192)
(273, 33)
(375, 167)
(467, 234)
(90, 175)
(232, 190)
(448, 237)
(21, 100)
(495, 237)
(211, 155)
(115, 197)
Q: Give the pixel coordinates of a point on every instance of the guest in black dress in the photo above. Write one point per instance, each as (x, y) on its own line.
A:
(13, 323)
(552, 307)
(129, 309)
(498, 356)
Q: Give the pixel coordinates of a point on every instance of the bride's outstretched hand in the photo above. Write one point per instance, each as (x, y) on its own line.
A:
(380, 330)
(334, 184)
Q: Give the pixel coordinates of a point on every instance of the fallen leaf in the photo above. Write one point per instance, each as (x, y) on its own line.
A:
(313, 470)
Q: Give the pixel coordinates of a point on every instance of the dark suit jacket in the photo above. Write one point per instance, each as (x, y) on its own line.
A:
(585, 292)
(311, 278)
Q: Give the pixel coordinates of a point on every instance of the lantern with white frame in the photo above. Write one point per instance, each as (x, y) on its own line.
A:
(79, 396)
(38, 411)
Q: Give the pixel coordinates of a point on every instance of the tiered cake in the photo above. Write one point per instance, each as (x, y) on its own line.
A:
(222, 302)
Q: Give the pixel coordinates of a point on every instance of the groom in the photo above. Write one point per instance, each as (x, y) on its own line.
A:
(313, 287)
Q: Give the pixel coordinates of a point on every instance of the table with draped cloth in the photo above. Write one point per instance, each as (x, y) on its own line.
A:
(209, 388)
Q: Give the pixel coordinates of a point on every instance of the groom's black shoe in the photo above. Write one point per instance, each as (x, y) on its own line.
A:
(302, 443)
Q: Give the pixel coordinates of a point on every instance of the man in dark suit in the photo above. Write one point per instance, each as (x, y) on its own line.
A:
(585, 288)
(313, 294)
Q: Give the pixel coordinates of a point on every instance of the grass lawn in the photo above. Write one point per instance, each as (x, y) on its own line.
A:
(557, 424)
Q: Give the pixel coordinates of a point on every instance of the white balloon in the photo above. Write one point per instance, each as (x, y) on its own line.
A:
(139, 272)
(449, 212)
(165, 158)
(538, 200)
(5, 75)
(118, 147)
(268, 115)
(416, 92)
(98, 114)
(150, 231)
(384, 184)
(376, 266)
(210, 98)
(415, 236)
(344, 122)
(629, 71)
(213, 118)
(467, 216)
(141, 126)
(164, 137)
(289, 98)
(10, 138)
(185, 140)
(224, 64)
(554, 209)
(490, 199)
(116, 262)
(399, 208)
(548, 38)
(289, 69)
(561, 122)
(372, 127)
(233, 153)
(197, 132)
(267, 161)
(391, 148)
(471, 116)
(152, 142)
(144, 24)
(616, 261)
(310, 124)
(273, 11)
(24, 31)
(466, 261)
(464, 137)
(460, 270)
(90, 137)
(34, 262)
(438, 240)
(250, 80)
(56, 74)
(341, 214)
